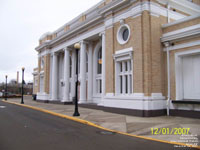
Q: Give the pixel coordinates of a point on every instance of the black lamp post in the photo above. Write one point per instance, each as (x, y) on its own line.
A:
(6, 88)
(22, 99)
(76, 113)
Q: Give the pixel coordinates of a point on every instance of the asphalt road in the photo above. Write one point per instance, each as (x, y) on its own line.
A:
(26, 129)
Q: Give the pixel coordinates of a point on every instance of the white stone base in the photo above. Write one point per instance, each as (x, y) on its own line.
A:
(135, 101)
(42, 96)
(66, 101)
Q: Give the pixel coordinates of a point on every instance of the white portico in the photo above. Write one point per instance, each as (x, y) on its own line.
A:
(91, 71)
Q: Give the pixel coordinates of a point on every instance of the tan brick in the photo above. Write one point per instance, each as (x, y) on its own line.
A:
(110, 73)
(46, 73)
(196, 2)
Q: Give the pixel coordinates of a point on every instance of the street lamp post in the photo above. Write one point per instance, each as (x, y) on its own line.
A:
(22, 99)
(76, 113)
(6, 88)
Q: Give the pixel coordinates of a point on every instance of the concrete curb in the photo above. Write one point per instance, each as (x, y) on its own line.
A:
(95, 125)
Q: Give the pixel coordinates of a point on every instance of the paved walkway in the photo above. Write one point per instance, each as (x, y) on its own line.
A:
(129, 124)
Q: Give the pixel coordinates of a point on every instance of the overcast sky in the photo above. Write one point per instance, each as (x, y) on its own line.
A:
(22, 22)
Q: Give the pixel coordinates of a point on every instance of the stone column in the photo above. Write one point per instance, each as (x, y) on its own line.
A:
(55, 77)
(83, 72)
(66, 75)
(73, 82)
(90, 71)
(103, 63)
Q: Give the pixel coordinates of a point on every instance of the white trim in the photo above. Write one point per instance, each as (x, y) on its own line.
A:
(75, 29)
(136, 10)
(182, 5)
(113, 6)
(184, 45)
(181, 21)
(181, 33)
(90, 10)
(182, 30)
(136, 101)
(124, 54)
(178, 64)
(124, 50)
(136, 96)
(81, 37)
(120, 34)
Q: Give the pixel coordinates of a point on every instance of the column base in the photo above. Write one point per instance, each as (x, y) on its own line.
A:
(82, 102)
(65, 101)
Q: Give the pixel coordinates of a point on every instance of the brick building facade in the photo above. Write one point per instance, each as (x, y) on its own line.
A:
(142, 55)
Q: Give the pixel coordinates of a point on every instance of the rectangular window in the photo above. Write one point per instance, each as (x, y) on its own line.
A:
(126, 66)
(125, 77)
(126, 84)
(70, 67)
(100, 87)
(121, 70)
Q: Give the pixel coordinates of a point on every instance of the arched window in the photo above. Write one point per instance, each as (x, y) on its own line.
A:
(99, 61)
(99, 71)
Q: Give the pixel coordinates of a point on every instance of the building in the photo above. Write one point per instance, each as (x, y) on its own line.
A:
(142, 55)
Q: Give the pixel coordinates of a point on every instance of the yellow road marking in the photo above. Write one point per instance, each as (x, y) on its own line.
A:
(97, 126)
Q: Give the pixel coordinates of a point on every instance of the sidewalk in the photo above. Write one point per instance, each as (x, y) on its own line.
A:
(129, 124)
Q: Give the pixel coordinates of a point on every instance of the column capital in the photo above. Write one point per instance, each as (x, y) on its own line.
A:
(84, 42)
(166, 44)
(67, 48)
(55, 53)
(102, 33)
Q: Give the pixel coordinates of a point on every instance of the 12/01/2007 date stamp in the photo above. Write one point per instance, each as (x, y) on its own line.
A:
(170, 131)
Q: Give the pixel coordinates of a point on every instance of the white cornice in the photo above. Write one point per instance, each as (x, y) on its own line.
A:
(79, 38)
(123, 54)
(113, 5)
(130, 49)
(136, 10)
(181, 20)
(94, 8)
(81, 26)
(181, 33)
(182, 5)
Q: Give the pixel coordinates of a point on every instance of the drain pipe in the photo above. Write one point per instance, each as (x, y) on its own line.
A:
(168, 77)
